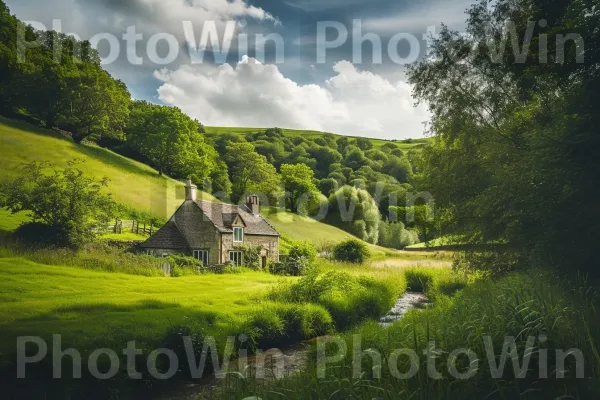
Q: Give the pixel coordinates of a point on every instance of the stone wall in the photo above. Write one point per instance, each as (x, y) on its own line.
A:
(199, 230)
(268, 243)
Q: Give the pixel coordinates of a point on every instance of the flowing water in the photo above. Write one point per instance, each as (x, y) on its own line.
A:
(289, 361)
(404, 304)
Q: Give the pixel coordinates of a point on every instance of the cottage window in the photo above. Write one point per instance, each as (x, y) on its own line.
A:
(201, 255)
(236, 258)
(238, 235)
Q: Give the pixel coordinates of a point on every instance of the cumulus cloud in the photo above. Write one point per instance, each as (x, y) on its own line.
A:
(352, 102)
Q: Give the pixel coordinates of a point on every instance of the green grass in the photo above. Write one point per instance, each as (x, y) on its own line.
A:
(520, 306)
(297, 227)
(91, 308)
(377, 143)
(132, 183)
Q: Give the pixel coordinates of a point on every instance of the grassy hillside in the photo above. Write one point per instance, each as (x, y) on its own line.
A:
(403, 144)
(131, 183)
(296, 227)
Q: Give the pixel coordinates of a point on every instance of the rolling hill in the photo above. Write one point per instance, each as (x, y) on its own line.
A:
(408, 144)
(132, 183)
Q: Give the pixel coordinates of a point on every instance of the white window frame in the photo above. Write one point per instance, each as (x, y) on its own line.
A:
(235, 229)
(240, 254)
(202, 255)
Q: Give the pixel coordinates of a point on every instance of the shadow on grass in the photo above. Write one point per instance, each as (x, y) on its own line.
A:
(108, 307)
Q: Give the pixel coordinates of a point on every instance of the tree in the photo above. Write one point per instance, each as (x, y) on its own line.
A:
(516, 148)
(355, 158)
(298, 181)
(221, 184)
(328, 186)
(67, 202)
(364, 144)
(92, 103)
(251, 172)
(355, 211)
(325, 157)
(170, 140)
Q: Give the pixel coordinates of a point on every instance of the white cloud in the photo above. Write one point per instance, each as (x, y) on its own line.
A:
(352, 102)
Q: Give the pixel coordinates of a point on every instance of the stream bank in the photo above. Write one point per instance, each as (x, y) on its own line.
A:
(288, 361)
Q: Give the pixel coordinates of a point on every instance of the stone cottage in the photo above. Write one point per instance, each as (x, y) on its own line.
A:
(215, 233)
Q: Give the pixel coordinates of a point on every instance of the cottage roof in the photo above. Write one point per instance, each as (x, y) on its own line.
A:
(223, 215)
(167, 237)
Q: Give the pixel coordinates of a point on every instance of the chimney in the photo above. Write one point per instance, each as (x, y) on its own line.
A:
(253, 203)
(190, 191)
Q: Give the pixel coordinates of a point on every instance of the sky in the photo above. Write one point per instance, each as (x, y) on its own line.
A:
(298, 64)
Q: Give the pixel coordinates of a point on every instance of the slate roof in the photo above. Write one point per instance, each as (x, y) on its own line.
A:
(183, 229)
(223, 215)
(167, 237)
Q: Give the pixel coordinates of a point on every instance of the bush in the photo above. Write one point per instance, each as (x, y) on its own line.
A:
(299, 250)
(352, 250)
(184, 266)
(418, 279)
(348, 299)
(277, 324)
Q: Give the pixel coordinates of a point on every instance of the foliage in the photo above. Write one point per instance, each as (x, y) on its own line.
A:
(526, 306)
(298, 181)
(349, 299)
(73, 205)
(396, 236)
(170, 140)
(351, 251)
(252, 256)
(515, 143)
(250, 172)
(355, 211)
(183, 265)
(302, 250)
(59, 83)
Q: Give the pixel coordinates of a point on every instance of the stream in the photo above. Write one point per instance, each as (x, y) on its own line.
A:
(288, 361)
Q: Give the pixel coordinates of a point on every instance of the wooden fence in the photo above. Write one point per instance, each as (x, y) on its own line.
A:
(137, 227)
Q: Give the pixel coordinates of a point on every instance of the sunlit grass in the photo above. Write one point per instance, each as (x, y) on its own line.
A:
(132, 183)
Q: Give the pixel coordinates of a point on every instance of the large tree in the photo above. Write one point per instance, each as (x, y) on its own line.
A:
(516, 150)
(170, 140)
(251, 172)
(298, 182)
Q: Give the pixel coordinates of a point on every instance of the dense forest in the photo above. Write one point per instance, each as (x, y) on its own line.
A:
(61, 85)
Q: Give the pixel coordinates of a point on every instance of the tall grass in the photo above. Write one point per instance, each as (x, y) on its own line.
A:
(94, 257)
(522, 306)
(350, 299)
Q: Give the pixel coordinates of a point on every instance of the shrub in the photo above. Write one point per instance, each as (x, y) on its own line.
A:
(184, 266)
(352, 250)
(252, 257)
(78, 208)
(418, 279)
(299, 250)
(277, 324)
(347, 298)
